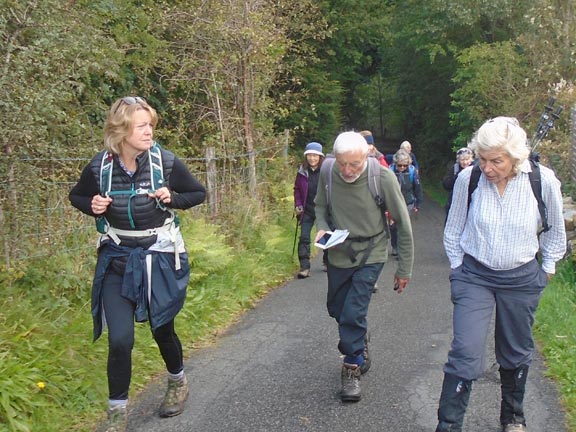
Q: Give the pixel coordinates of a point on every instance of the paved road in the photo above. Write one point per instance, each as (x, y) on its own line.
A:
(278, 369)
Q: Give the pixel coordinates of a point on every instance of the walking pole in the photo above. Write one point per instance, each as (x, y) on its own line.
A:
(545, 123)
(295, 237)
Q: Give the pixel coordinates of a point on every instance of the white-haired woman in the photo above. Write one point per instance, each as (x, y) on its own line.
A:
(407, 147)
(492, 246)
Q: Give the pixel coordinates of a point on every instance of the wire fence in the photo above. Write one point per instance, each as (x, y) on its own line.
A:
(37, 220)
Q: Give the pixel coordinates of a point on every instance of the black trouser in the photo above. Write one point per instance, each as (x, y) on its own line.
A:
(306, 224)
(120, 319)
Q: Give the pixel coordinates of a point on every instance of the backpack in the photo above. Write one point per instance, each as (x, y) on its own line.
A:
(535, 183)
(156, 182)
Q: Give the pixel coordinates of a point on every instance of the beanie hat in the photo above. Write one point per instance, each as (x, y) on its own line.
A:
(313, 148)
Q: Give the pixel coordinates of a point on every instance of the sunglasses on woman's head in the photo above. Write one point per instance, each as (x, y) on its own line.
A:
(130, 100)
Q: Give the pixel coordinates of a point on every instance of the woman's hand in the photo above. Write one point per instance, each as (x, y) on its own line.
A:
(100, 204)
(163, 195)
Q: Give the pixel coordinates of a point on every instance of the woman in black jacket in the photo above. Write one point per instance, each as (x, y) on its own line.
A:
(132, 189)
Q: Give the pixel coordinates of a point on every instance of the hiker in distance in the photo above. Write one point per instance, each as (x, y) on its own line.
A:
(491, 242)
(410, 187)
(305, 187)
(132, 189)
(372, 150)
(464, 158)
(350, 195)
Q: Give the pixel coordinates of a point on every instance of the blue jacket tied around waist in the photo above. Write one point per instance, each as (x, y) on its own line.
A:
(145, 269)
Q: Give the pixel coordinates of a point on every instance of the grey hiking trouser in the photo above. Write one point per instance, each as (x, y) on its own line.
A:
(476, 290)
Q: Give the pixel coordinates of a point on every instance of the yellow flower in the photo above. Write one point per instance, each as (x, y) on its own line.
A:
(41, 385)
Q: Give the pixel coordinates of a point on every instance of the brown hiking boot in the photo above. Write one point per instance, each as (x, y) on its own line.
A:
(117, 419)
(350, 383)
(303, 274)
(514, 428)
(176, 395)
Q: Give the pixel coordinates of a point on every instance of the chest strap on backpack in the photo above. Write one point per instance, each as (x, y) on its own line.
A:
(169, 227)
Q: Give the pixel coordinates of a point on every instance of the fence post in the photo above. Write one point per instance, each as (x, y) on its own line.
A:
(573, 144)
(285, 146)
(211, 181)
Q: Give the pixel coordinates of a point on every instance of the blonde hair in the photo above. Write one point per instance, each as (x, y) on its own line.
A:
(119, 123)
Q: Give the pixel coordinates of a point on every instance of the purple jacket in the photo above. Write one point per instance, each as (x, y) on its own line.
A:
(301, 187)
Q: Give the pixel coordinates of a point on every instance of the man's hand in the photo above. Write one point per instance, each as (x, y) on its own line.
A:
(319, 235)
(299, 210)
(400, 284)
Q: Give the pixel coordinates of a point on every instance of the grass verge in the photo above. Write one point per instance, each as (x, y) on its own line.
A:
(53, 378)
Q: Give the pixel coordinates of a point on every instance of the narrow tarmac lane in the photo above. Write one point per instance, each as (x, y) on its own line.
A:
(278, 369)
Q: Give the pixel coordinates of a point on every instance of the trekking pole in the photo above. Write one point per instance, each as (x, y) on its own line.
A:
(295, 237)
(545, 123)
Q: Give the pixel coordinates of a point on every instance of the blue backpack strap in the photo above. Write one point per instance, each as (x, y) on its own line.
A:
(156, 167)
(106, 166)
(412, 171)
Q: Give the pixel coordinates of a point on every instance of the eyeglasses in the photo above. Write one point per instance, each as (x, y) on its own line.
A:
(131, 100)
(402, 165)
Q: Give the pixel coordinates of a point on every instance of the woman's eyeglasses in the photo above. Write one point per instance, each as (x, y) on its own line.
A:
(130, 100)
(402, 165)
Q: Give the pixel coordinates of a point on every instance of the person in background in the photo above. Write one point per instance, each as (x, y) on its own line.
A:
(305, 187)
(491, 246)
(142, 270)
(354, 266)
(373, 151)
(464, 158)
(411, 190)
(407, 147)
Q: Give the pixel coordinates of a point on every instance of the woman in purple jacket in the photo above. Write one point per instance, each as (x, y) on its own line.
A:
(305, 187)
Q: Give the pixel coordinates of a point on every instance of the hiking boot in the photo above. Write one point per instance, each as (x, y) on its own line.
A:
(176, 395)
(394, 252)
(350, 383)
(518, 427)
(303, 274)
(367, 361)
(117, 419)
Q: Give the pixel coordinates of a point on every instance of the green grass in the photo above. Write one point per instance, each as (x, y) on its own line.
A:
(555, 331)
(49, 367)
